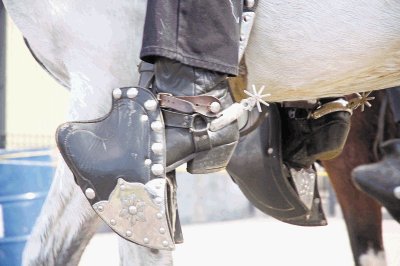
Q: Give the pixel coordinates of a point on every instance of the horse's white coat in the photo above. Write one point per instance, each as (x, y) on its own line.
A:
(65, 226)
(301, 49)
(372, 258)
(308, 48)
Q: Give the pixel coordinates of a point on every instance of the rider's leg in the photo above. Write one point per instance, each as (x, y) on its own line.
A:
(382, 180)
(187, 135)
(194, 48)
(203, 34)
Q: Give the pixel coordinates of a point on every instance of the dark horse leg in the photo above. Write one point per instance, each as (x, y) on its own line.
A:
(362, 214)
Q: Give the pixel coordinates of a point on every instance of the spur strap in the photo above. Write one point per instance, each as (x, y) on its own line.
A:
(203, 104)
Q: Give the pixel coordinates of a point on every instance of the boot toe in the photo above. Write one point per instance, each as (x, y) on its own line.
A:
(382, 182)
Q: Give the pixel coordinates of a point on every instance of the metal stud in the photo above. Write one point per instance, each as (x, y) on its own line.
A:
(90, 194)
(150, 105)
(132, 93)
(165, 243)
(242, 38)
(162, 230)
(128, 233)
(249, 3)
(157, 126)
(159, 215)
(270, 150)
(215, 107)
(146, 240)
(117, 93)
(122, 187)
(159, 200)
(132, 210)
(113, 222)
(157, 148)
(147, 162)
(144, 118)
(396, 192)
(100, 208)
(157, 169)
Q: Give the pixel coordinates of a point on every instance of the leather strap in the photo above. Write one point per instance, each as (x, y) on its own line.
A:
(180, 120)
(201, 138)
(146, 71)
(189, 104)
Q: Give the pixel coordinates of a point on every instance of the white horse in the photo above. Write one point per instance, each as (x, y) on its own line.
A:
(304, 49)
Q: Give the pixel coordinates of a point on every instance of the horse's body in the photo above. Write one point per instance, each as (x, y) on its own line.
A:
(299, 49)
(304, 49)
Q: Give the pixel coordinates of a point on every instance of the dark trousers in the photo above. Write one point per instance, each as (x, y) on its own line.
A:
(199, 33)
(394, 100)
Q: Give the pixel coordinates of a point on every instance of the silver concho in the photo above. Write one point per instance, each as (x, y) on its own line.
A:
(304, 181)
(117, 93)
(215, 107)
(139, 213)
(132, 93)
(249, 3)
(150, 105)
(157, 126)
(90, 194)
(396, 192)
(157, 169)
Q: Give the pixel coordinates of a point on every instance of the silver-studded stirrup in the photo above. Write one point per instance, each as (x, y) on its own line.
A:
(119, 161)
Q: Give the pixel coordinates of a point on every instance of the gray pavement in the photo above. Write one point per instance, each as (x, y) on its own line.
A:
(255, 242)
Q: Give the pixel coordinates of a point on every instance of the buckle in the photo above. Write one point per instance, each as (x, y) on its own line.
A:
(162, 94)
(298, 113)
(195, 130)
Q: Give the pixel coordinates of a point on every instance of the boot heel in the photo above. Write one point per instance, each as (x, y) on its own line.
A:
(212, 160)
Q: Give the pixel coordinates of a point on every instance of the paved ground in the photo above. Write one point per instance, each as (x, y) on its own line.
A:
(255, 242)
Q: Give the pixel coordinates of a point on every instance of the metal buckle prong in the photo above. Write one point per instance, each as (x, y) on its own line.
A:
(163, 93)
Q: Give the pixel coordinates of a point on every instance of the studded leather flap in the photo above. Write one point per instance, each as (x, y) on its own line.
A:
(119, 163)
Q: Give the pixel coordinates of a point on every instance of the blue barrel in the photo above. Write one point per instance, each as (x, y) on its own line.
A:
(25, 178)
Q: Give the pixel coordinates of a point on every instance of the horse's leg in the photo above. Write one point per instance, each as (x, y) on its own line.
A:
(362, 214)
(64, 227)
(67, 222)
(142, 256)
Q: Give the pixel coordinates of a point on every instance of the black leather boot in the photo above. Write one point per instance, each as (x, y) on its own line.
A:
(307, 139)
(190, 99)
(381, 180)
